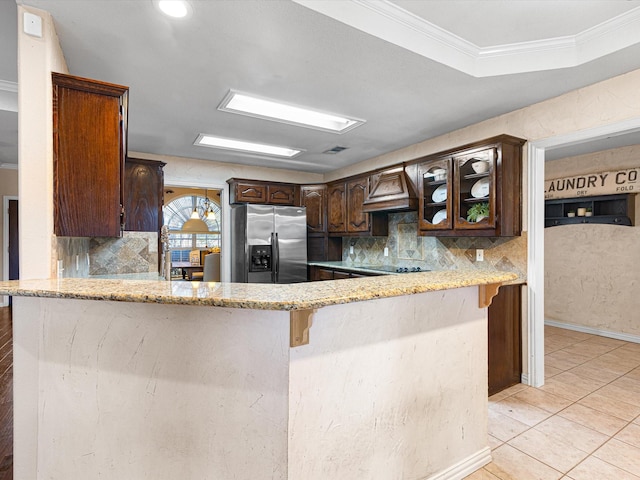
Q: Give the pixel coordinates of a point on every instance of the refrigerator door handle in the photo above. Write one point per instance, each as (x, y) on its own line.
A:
(276, 255)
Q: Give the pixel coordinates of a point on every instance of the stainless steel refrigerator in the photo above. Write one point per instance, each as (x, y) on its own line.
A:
(268, 244)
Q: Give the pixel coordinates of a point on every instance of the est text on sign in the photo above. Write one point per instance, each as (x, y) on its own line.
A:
(589, 185)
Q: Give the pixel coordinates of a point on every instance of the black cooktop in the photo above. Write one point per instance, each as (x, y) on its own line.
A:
(394, 269)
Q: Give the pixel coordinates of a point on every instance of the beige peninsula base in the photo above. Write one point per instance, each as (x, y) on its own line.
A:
(387, 389)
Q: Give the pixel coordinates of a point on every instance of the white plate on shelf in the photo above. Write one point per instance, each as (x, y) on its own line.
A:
(480, 189)
(439, 216)
(440, 194)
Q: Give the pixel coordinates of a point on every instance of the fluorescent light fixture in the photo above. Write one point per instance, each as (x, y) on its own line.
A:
(253, 106)
(174, 8)
(205, 140)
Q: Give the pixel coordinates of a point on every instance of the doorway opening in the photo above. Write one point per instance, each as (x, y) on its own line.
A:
(535, 247)
(185, 250)
(11, 255)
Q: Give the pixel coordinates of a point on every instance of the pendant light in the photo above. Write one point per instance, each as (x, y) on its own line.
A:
(195, 224)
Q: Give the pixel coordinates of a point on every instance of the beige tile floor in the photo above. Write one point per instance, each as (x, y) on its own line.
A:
(583, 424)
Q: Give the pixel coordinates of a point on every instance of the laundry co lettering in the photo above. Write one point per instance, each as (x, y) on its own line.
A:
(604, 183)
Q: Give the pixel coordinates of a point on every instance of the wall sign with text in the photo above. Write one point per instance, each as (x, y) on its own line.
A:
(605, 183)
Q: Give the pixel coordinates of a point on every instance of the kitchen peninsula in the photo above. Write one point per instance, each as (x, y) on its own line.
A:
(370, 378)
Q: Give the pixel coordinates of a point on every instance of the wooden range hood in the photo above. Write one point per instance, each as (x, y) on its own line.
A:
(390, 191)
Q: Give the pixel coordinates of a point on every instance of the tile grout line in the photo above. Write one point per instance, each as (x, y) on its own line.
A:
(609, 437)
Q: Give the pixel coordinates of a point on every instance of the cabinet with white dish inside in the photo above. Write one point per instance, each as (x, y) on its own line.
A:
(436, 186)
(473, 190)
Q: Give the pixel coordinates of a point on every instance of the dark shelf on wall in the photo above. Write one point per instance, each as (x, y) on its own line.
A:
(607, 209)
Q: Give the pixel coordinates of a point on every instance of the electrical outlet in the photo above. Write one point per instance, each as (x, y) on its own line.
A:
(386, 251)
(351, 249)
(479, 255)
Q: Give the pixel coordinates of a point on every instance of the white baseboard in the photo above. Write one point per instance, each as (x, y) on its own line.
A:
(524, 379)
(465, 467)
(4, 301)
(627, 337)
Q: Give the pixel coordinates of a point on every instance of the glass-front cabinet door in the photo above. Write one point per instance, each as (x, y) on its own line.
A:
(475, 190)
(436, 195)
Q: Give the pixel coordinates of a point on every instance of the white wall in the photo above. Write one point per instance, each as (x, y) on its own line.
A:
(37, 58)
(591, 279)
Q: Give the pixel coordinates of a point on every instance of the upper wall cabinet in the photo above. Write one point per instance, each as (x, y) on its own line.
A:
(144, 183)
(345, 200)
(472, 191)
(314, 198)
(269, 193)
(89, 148)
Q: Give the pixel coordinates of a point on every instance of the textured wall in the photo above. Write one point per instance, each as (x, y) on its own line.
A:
(406, 248)
(591, 276)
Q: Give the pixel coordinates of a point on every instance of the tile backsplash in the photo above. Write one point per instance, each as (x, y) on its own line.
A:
(407, 248)
(134, 252)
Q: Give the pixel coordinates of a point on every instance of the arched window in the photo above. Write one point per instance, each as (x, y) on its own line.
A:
(178, 211)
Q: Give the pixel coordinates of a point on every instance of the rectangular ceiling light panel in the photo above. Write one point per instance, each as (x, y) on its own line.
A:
(244, 104)
(212, 141)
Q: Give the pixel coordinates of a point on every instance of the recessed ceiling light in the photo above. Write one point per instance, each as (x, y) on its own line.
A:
(212, 141)
(253, 106)
(174, 8)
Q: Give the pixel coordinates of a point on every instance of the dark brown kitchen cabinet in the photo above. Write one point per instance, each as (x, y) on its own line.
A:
(345, 213)
(144, 184)
(89, 148)
(475, 190)
(319, 246)
(337, 208)
(268, 193)
(314, 198)
(357, 219)
(317, 273)
(505, 338)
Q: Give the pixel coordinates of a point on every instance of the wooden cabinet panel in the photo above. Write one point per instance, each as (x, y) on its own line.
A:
(89, 146)
(317, 274)
(249, 193)
(144, 183)
(314, 198)
(357, 220)
(256, 191)
(345, 210)
(278, 194)
(336, 208)
(338, 275)
(505, 338)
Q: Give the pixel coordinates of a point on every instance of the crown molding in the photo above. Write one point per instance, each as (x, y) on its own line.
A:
(8, 96)
(387, 21)
(7, 86)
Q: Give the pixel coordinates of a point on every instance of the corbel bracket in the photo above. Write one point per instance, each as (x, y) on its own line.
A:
(300, 323)
(486, 294)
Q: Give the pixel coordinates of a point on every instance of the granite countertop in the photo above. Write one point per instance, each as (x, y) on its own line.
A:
(297, 296)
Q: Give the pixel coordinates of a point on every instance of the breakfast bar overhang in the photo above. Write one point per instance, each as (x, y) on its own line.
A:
(368, 378)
